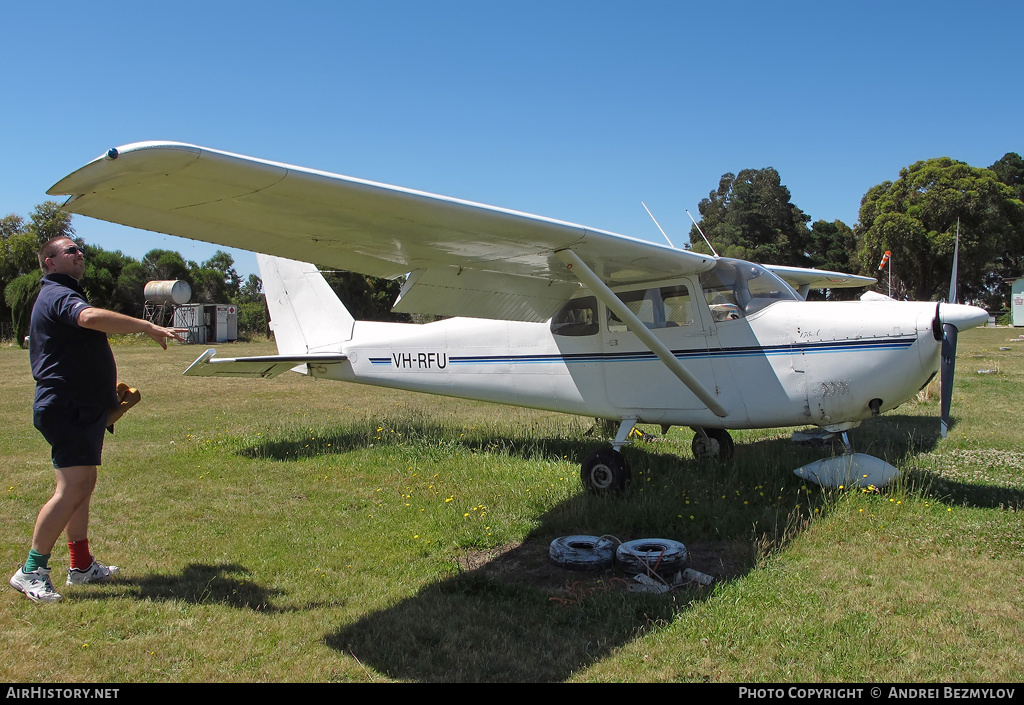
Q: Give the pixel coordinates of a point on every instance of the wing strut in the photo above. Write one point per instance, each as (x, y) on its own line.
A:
(609, 299)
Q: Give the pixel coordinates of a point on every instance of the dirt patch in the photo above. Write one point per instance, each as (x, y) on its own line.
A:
(528, 563)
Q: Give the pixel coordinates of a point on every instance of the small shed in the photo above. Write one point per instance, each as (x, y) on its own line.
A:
(207, 323)
(1017, 301)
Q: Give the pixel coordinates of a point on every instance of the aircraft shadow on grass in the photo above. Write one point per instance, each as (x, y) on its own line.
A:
(891, 437)
(969, 494)
(515, 617)
(403, 432)
(511, 616)
(509, 620)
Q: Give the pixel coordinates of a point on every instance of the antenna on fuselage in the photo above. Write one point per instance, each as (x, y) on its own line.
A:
(658, 224)
(703, 235)
(956, 256)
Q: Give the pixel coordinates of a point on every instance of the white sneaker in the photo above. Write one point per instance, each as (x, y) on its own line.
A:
(96, 573)
(36, 585)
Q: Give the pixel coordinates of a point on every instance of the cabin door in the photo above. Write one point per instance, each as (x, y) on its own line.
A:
(635, 379)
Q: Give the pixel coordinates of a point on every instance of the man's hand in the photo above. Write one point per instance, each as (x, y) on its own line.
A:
(162, 335)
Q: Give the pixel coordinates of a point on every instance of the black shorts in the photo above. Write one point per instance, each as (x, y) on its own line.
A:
(75, 433)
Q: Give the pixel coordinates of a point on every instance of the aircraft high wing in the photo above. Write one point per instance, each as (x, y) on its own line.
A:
(575, 319)
(464, 258)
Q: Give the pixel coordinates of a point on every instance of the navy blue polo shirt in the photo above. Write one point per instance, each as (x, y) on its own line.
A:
(71, 364)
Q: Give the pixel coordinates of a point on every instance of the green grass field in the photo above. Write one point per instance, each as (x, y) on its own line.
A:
(301, 530)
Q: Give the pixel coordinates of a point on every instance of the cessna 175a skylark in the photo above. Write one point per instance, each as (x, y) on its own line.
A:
(547, 314)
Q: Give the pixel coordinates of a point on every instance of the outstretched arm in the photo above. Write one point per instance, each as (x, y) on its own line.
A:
(115, 323)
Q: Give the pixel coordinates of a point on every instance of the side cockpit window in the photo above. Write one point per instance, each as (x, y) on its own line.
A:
(667, 307)
(578, 317)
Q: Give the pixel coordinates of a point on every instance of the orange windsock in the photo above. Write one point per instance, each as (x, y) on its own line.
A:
(885, 259)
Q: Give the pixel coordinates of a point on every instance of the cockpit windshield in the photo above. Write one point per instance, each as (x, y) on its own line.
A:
(734, 289)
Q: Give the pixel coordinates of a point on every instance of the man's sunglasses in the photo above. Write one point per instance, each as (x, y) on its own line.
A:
(73, 250)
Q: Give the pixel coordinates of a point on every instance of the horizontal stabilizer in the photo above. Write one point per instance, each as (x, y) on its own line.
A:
(260, 366)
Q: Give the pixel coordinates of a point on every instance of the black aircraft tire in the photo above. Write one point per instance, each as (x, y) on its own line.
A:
(605, 472)
(717, 446)
(647, 556)
(582, 552)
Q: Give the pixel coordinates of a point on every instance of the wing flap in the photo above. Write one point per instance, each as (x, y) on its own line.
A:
(451, 291)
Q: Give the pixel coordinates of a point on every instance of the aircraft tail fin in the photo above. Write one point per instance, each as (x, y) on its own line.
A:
(305, 313)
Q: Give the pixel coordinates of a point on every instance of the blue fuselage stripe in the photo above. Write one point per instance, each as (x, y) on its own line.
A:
(839, 346)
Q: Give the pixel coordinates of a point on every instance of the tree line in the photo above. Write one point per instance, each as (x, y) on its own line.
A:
(749, 216)
(916, 217)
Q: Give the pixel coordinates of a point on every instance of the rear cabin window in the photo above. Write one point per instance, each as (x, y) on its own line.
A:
(667, 307)
(578, 317)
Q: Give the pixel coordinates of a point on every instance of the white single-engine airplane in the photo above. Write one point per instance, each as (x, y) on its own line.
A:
(548, 314)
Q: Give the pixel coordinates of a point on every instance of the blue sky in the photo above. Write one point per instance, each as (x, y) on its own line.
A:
(572, 110)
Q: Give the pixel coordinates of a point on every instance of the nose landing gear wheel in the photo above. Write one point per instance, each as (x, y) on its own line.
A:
(712, 444)
(605, 472)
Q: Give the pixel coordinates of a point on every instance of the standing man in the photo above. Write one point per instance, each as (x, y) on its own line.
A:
(76, 380)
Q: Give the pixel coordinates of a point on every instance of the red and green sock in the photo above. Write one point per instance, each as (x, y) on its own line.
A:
(35, 560)
(81, 559)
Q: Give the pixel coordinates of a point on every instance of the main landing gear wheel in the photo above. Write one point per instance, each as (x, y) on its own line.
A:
(605, 472)
(712, 444)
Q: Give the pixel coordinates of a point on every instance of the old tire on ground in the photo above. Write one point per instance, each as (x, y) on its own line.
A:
(605, 472)
(582, 552)
(649, 556)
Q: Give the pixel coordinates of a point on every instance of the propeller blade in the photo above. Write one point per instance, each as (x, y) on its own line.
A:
(946, 367)
(953, 312)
